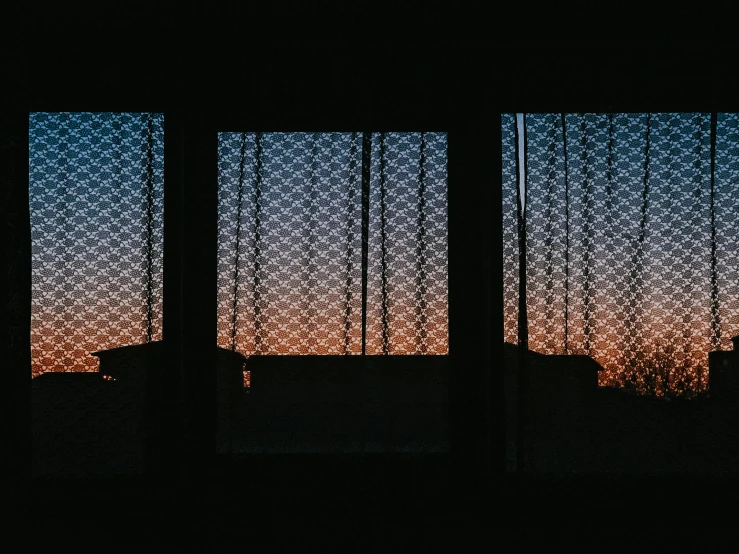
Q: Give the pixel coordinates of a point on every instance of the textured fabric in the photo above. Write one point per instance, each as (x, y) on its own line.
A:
(510, 235)
(290, 243)
(726, 203)
(621, 241)
(96, 203)
(407, 294)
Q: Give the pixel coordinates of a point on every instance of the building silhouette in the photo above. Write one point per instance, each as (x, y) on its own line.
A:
(84, 425)
(345, 404)
(560, 421)
(724, 373)
(120, 419)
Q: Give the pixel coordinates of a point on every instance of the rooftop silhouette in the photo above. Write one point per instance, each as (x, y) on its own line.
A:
(567, 423)
(117, 419)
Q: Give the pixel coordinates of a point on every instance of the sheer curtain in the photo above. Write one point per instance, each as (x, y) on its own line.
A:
(407, 295)
(293, 211)
(630, 233)
(96, 203)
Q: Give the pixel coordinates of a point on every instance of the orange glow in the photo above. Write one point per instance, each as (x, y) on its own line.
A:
(666, 369)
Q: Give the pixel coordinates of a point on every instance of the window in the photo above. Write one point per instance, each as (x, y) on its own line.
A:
(335, 244)
(620, 274)
(96, 204)
(291, 224)
(96, 198)
(629, 220)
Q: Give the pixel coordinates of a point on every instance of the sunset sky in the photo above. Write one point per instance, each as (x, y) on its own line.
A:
(620, 240)
(89, 223)
(310, 243)
(96, 195)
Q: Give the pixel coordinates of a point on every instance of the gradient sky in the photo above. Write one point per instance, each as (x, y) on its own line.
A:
(90, 224)
(627, 300)
(88, 200)
(310, 243)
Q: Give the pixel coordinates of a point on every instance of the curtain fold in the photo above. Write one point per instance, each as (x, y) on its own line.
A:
(407, 299)
(726, 208)
(510, 233)
(621, 242)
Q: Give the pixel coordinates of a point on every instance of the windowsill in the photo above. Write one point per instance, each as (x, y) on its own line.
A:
(336, 447)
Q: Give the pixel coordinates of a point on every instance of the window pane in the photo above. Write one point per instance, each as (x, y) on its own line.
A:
(96, 193)
(407, 295)
(620, 262)
(290, 243)
(290, 248)
(630, 287)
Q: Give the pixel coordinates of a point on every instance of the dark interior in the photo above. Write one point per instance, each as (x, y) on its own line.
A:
(198, 66)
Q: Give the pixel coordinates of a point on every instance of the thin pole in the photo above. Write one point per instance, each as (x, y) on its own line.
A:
(523, 323)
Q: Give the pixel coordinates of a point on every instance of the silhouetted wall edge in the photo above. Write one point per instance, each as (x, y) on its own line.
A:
(15, 300)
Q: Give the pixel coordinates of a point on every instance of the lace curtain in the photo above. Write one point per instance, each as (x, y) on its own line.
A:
(630, 228)
(293, 210)
(96, 202)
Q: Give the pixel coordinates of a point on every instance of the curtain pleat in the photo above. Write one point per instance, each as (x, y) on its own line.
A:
(510, 233)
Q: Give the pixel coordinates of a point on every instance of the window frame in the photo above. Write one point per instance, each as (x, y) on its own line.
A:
(475, 439)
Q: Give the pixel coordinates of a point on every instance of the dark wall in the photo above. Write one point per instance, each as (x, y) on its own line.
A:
(15, 309)
(617, 75)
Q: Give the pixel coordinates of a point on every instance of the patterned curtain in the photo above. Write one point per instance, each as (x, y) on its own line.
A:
(630, 257)
(293, 211)
(510, 229)
(96, 200)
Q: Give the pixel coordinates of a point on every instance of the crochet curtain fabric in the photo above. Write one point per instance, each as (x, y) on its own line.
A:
(96, 202)
(319, 234)
(295, 210)
(630, 227)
